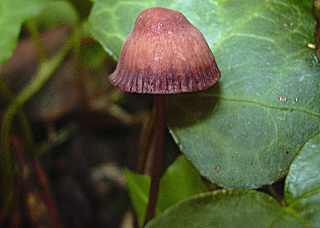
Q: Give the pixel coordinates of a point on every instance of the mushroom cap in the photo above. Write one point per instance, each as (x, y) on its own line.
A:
(165, 54)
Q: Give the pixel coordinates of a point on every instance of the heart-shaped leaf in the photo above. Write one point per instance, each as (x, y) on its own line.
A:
(303, 183)
(246, 130)
(231, 208)
(253, 209)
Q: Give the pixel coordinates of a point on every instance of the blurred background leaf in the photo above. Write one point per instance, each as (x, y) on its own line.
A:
(12, 14)
(57, 13)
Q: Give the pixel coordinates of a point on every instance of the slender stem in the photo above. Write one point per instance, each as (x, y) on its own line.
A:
(46, 69)
(318, 39)
(8, 96)
(146, 141)
(46, 194)
(15, 220)
(1, 218)
(23, 179)
(158, 156)
(42, 180)
(17, 204)
(316, 11)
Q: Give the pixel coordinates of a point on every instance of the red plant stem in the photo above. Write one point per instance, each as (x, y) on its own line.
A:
(318, 39)
(15, 221)
(316, 11)
(146, 137)
(24, 184)
(42, 181)
(16, 211)
(46, 194)
(1, 218)
(158, 156)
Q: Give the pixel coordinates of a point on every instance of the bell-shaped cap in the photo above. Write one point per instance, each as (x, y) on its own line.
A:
(165, 54)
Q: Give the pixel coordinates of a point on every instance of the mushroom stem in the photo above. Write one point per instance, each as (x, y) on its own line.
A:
(158, 156)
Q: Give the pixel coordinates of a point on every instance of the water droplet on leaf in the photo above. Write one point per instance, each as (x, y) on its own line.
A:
(217, 168)
(282, 98)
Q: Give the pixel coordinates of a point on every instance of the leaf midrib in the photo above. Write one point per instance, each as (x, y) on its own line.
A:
(261, 104)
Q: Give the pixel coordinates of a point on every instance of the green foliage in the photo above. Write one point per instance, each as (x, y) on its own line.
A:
(138, 186)
(246, 130)
(303, 183)
(234, 207)
(243, 133)
(227, 209)
(179, 182)
(12, 14)
(57, 13)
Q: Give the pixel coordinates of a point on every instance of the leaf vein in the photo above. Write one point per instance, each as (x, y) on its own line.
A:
(258, 103)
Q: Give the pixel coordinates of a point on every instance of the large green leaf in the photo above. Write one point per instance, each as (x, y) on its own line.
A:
(253, 209)
(180, 181)
(227, 209)
(12, 14)
(246, 130)
(303, 183)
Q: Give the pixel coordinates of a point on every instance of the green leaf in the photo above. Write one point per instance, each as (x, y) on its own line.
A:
(180, 181)
(58, 13)
(303, 183)
(247, 129)
(227, 208)
(93, 56)
(138, 187)
(12, 14)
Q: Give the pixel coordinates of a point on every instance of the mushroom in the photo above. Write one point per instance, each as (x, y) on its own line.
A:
(164, 54)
